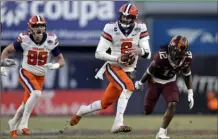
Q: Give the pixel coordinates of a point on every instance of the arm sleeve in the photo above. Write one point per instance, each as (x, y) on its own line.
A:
(17, 44)
(106, 33)
(101, 53)
(144, 32)
(104, 44)
(154, 64)
(187, 71)
(56, 51)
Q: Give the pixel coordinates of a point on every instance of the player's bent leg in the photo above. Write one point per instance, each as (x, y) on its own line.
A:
(168, 116)
(118, 125)
(13, 123)
(110, 96)
(122, 82)
(151, 97)
(83, 110)
(171, 96)
(34, 96)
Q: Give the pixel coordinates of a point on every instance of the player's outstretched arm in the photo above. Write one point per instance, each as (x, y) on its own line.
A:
(5, 62)
(4, 57)
(60, 60)
(7, 51)
(188, 81)
(147, 75)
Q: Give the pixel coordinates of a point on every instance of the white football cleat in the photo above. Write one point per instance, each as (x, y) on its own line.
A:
(13, 126)
(162, 136)
(120, 128)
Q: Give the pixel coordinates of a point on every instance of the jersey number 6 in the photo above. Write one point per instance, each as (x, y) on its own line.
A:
(37, 58)
(125, 46)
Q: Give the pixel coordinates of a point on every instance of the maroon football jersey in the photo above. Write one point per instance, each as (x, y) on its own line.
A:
(165, 69)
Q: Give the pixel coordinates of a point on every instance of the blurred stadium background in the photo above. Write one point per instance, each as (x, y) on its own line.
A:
(78, 25)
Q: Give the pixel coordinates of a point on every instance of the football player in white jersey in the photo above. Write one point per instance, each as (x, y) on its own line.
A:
(37, 46)
(127, 39)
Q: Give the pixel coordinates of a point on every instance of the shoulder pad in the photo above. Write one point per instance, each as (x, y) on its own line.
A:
(112, 22)
(139, 22)
(25, 33)
(22, 36)
(52, 39)
(51, 34)
(160, 57)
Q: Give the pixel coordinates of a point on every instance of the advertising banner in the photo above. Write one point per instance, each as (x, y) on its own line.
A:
(74, 22)
(78, 75)
(201, 33)
(55, 102)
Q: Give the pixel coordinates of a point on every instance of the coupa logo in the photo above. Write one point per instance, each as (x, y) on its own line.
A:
(12, 13)
(80, 11)
(194, 34)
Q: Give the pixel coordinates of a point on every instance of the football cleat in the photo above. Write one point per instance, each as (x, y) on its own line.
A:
(75, 120)
(25, 131)
(13, 134)
(162, 136)
(13, 128)
(121, 129)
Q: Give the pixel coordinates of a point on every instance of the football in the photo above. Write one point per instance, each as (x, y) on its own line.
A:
(129, 58)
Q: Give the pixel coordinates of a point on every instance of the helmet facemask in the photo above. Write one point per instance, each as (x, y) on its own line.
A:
(37, 31)
(176, 54)
(126, 21)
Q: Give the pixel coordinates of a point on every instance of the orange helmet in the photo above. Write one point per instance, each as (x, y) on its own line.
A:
(34, 21)
(128, 14)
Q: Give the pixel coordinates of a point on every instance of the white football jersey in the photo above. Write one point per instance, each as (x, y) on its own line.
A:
(120, 41)
(36, 56)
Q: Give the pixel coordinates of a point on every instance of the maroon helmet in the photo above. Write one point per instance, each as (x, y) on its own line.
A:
(177, 48)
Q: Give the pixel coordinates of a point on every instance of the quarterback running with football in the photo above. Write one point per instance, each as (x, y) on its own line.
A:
(170, 60)
(37, 47)
(127, 39)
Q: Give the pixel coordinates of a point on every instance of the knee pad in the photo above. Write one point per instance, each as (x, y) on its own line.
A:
(36, 93)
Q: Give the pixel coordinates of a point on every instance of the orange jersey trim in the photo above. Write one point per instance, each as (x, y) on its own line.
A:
(143, 34)
(107, 36)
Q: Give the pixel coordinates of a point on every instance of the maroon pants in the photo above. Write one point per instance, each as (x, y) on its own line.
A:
(169, 91)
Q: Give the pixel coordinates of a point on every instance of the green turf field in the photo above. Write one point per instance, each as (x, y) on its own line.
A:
(144, 127)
